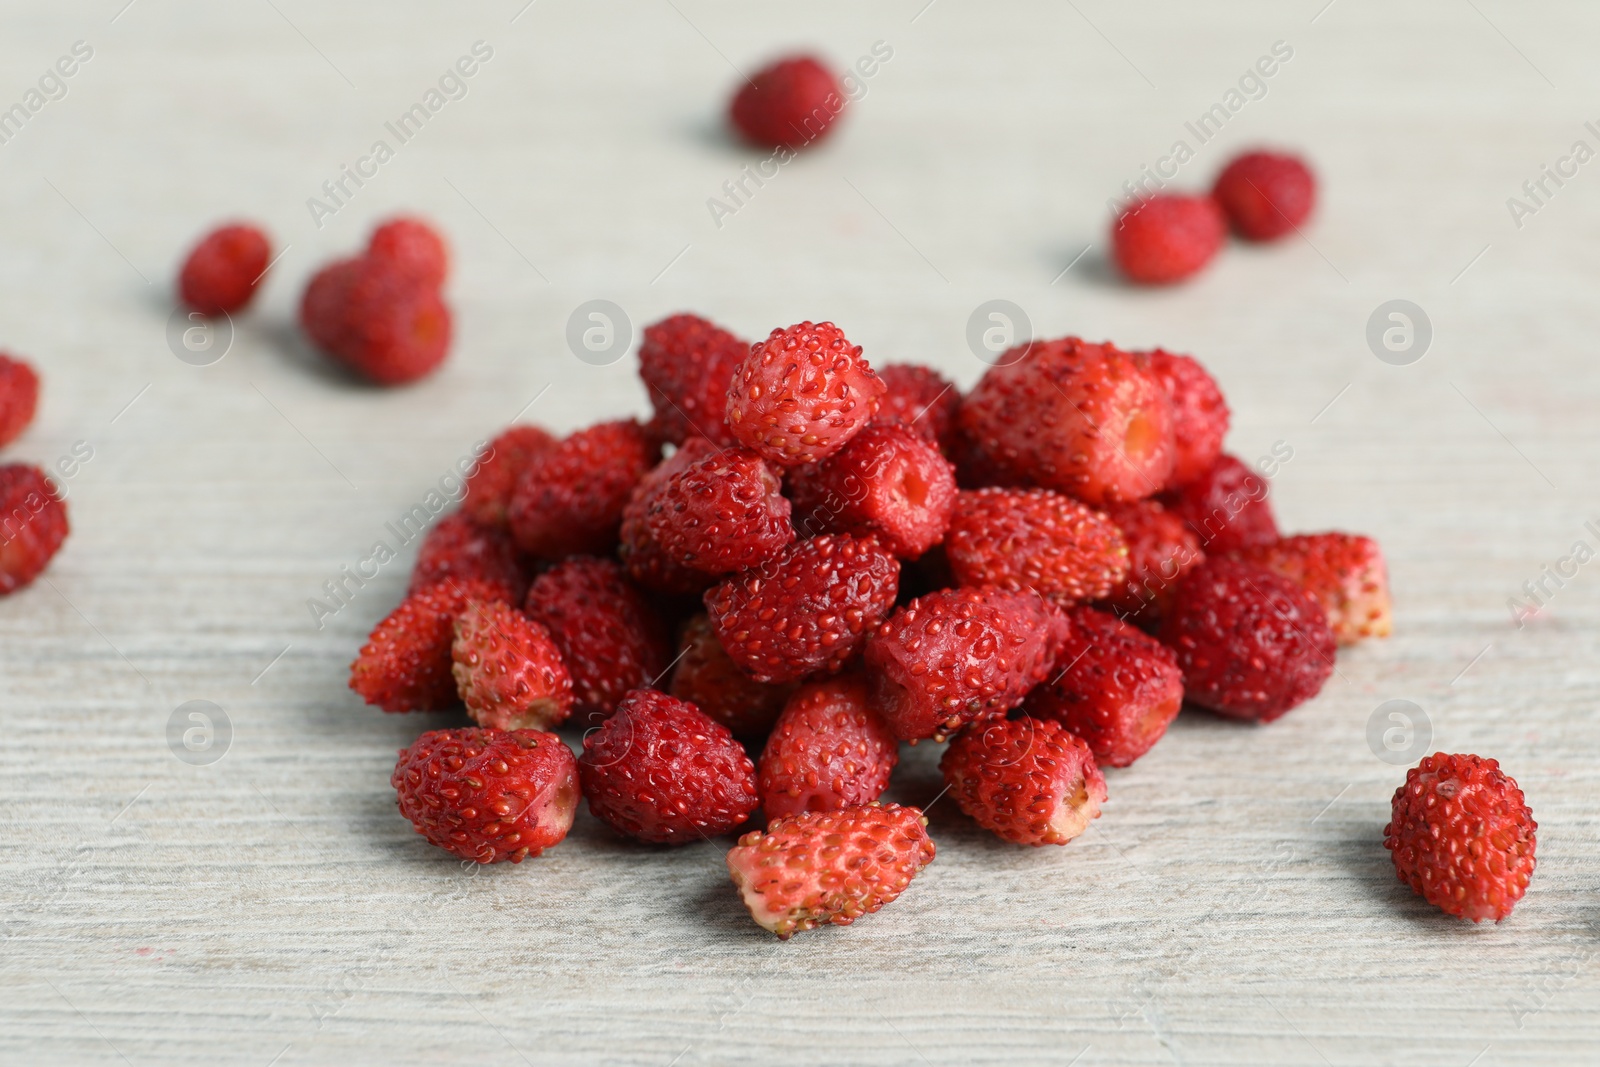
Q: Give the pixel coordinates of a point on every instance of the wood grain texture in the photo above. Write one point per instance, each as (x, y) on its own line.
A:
(1233, 906)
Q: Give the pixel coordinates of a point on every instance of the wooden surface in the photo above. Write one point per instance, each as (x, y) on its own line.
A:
(1233, 905)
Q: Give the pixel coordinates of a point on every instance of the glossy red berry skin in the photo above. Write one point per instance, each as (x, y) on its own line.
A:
(687, 364)
(801, 394)
(723, 513)
(33, 524)
(377, 320)
(19, 397)
(1345, 572)
(708, 678)
(488, 795)
(459, 549)
(1200, 415)
(569, 500)
(1167, 238)
(610, 637)
(1083, 419)
(1226, 507)
(1251, 644)
(791, 103)
(413, 247)
(491, 483)
(1462, 836)
(829, 750)
(1266, 195)
(660, 771)
(921, 398)
(647, 563)
(405, 664)
(890, 482)
(222, 271)
(957, 655)
(1114, 686)
(1027, 780)
(508, 672)
(808, 610)
(1035, 539)
(1161, 550)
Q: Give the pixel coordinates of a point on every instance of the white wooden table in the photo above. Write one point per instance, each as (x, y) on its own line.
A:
(1233, 906)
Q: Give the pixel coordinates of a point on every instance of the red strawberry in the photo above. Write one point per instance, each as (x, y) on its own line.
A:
(460, 549)
(720, 514)
(569, 500)
(1226, 507)
(1463, 836)
(889, 481)
(322, 305)
(377, 320)
(647, 562)
(1035, 539)
(829, 866)
(33, 523)
(1161, 550)
(1028, 780)
(709, 680)
(828, 751)
(957, 655)
(975, 468)
(788, 104)
(1083, 419)
(1114, 686)
(687, 364)
(1345, 572)
(1200, 415)
(921, 398)
(1266, 195)
(19, 396)
(809, 609)
(1251, 643)
(405, 664)
(490, 485)
(507, 670)
(659, 770)
(801, 394)
(610, 638)
(413, 247)
(488, 795)
(1167, 237)
(221, 272)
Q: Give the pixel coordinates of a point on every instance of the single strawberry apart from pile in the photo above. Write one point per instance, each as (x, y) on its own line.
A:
(1027, 780)
(788, 104)
(222, 271)
(1462, 836)
(19, 397)
(1167, 237)
(33, 524)
(800, 395)
(822, 867)
(488, 795)
(1266, 195)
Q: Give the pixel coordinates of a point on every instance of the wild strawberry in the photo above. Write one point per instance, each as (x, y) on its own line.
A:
(413, 247)
(507, 670)
(889, 481)
(459, 548)
(828, 751)
(687, 364)
(1251, 643)
(975, 468)
(569, 500)
(488, 795)
(1035, 539)
(829, 866)
(659, 770)
(1200, 415)
(405, 664)
(1082, 419)
(1345, 572)
(921, 398)
(787, 104)
(720, 514)
(491, 484)
(957, 655)
(19, 396)
(1266, 195)
(1161, 550)
(323, 304)
(1462, 836)
(221, 272)
(707, 678)
(377, 319)
(809, 609)
(1167, 237)
(801, 394)
(609, 636)
(647, 562)
(1113, 686)
(1028, 780)
(33, 523)
(1226, 507)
